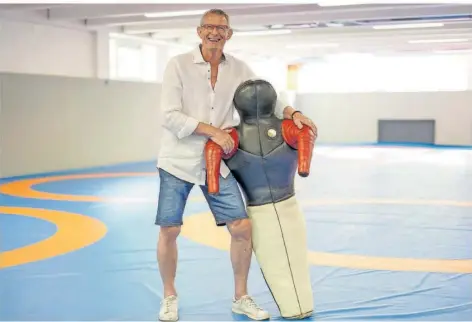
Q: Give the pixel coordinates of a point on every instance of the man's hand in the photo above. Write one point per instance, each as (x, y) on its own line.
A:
(299, 119)
(219, 136)
(223, 139)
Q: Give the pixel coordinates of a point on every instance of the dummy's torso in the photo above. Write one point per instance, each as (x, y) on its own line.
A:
(264, 164)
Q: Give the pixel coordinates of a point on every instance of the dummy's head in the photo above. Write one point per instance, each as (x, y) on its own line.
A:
(255, 98)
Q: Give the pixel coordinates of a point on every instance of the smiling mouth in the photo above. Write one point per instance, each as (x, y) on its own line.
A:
(213, 40)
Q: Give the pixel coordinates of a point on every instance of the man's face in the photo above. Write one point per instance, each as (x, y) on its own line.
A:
(214, 32)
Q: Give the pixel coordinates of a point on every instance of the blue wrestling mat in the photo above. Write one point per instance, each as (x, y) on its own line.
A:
(389, 233)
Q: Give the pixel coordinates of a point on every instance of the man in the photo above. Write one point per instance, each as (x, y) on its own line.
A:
(197, 94)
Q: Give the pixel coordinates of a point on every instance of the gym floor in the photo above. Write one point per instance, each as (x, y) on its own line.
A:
(389, 228)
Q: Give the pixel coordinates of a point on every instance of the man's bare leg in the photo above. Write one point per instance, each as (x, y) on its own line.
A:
(241, 253)
(167, 258)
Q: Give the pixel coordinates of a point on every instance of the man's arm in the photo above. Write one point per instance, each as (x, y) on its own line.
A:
(205, 130)
(175, 120)
(178, 122)
(283, 110)
(219, 136)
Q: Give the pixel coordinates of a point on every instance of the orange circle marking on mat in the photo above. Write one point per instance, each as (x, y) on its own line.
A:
(23, 188)
(201, 228)
(74, 231)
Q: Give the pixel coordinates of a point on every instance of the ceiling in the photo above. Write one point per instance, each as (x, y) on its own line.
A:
(290, 31)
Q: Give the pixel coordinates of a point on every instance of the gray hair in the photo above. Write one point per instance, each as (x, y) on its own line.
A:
(215, 12)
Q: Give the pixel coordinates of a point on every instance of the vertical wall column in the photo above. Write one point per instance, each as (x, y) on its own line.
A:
(292, 77)
(469, 72)
(162, 57)
(102, 54)
(292, 82)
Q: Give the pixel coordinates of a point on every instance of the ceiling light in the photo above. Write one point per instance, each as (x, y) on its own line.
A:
(334, 24)
(335, 3)
(453, 51)
(349, 57)
(263, 32)
(432, 41)
(409, 25)
(174, 13)
(149, 40)
(319, 45)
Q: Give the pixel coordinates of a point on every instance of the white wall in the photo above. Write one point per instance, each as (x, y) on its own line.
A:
(51, 123)
(273, 70)
(39, 49)
(64, 123)
(353, 117)
(469, 71)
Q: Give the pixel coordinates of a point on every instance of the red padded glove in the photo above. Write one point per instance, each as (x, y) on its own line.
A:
(213, 155)
(301, 139)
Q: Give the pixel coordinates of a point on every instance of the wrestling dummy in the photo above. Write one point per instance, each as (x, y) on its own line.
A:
(268, 154)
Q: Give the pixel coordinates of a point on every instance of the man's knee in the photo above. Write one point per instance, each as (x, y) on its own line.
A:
(240, 229)
(169, 234)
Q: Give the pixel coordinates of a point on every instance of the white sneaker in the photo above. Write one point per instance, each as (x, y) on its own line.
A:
(169, 309)
(246, 305)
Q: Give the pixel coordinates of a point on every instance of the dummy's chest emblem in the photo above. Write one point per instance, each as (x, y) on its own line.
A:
(271, 133)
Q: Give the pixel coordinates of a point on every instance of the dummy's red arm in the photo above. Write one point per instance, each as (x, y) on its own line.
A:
(301, 139)
(213, 155)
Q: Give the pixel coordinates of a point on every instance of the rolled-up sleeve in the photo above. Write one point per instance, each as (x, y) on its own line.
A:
(174, 119)
(282, 103)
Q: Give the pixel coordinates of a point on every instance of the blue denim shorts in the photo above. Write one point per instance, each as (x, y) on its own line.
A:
(226, 206)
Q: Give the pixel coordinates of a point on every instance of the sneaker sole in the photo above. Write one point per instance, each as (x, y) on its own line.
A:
(162, 320)
(250, 316)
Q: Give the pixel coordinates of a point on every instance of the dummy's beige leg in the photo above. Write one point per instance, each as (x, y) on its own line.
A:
(279, 242)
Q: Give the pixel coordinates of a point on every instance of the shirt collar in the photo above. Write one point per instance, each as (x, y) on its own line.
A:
(198, 57)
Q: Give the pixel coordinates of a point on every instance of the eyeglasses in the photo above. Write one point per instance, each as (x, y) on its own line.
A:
(219, 28)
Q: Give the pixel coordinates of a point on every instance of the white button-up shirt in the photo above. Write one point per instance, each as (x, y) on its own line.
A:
(188, 98)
